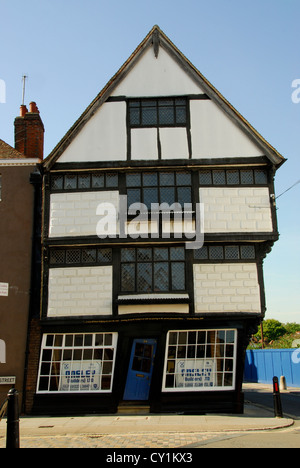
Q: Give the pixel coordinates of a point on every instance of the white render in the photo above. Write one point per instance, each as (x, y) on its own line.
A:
(226, 287)
(153, 77)
(80, 291)
(102, 139)
(144, 144)
(240, 209)
(174, 143)
(214, 135)
(75, 214)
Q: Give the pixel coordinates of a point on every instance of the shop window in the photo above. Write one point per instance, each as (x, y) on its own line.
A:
(200, 360)
(77, 363)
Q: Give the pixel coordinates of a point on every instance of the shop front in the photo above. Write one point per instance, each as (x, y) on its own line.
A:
(185, 367)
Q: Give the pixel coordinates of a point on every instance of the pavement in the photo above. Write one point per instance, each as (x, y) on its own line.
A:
(141, 431)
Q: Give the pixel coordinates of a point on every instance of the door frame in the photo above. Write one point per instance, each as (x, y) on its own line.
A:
(150, 341)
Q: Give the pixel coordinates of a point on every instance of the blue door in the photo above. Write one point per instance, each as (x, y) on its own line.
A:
(140, 370)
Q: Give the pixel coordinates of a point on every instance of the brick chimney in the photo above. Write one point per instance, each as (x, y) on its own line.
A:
(29, 132)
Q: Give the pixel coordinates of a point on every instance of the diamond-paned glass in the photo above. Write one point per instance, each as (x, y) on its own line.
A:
(70, 182)
(178, 276)
(144, 277)
(73, 256)
(104, 255)
(216, 253)
(205, 178)
(247, 177)
(219, 177)
(84, 181)
(261, 177)
(98, 181)
(111, 180)
(248, 252)
(57, 182)
(89, 255)
(232, 252)
(233, 177)
(57, 257)
(157, 112)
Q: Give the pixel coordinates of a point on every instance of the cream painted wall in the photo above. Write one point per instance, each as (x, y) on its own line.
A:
(236, 209)
(75, 214)
(232, 287)
(103, 138)
(80, 291)
(214, 135)
(160, 76)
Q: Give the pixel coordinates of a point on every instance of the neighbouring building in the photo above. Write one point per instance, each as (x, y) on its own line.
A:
(19, 246)
(132, 313)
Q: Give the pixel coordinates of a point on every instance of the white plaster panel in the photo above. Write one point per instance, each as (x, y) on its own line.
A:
(232, 287)
(174, 144)
(103, 138)
(160, 76)
(236, 209)
(80, 291)
(214, 135)
(144, 144)
(74, 214)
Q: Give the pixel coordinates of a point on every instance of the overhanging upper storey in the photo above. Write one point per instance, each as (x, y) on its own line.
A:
(160, 108)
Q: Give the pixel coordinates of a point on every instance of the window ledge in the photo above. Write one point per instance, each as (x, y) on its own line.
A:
(154, 299)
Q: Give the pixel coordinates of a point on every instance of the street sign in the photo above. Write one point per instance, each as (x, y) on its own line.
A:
(9, 380)
(3, 289)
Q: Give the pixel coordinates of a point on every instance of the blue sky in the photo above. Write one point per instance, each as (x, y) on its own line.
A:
(248, 50)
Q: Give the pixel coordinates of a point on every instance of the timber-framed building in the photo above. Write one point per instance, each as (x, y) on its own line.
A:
(131, 312)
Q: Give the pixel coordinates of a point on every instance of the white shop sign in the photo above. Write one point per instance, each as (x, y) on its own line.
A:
(80, 376)
(11, 380)
(3, 289)
(195, 373)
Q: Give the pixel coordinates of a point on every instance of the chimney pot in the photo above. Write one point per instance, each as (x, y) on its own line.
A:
(23, 110)
(33, 108)
(29, 132)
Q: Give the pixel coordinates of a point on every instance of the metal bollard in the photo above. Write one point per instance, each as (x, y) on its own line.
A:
(277, 399)
(12, 430)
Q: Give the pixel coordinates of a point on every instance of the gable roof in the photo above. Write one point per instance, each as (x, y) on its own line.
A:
(156, 39)
(8, 152)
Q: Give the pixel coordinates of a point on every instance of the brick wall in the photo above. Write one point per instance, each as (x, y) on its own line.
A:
(29, 132)
(33, 364)
(231, 287)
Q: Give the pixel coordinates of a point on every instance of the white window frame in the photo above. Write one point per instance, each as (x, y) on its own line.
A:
(208, 379)
(71, 369)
